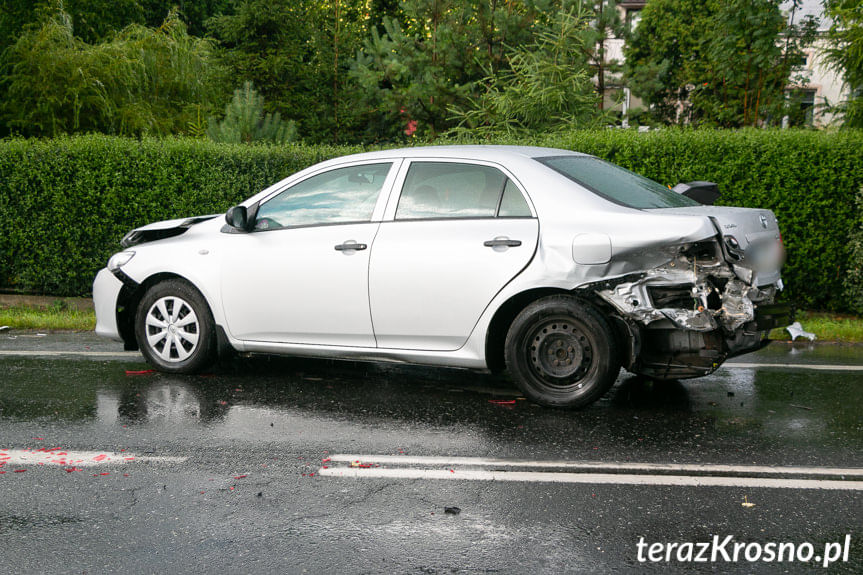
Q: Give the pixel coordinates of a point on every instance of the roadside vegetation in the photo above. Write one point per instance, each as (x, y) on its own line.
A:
(827, 327)
(51, 318)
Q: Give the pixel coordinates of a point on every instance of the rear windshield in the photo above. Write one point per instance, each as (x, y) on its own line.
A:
(615, 183)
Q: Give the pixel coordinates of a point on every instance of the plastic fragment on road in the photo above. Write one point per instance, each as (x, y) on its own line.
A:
(240, 476)
(502, 401)
(795, 330)
(746, 502)
(140, 371)
(452, 510)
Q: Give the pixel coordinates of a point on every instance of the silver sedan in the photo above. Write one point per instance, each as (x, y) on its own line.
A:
(556, 266)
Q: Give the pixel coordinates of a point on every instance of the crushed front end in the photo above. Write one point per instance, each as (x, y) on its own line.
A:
(711, 300)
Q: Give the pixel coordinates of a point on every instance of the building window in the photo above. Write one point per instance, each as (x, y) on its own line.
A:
(801, 109)
(633, 17)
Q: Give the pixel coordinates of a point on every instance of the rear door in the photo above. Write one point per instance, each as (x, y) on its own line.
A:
(460, 231)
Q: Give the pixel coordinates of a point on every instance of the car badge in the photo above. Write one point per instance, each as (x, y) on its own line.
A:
(763, 221)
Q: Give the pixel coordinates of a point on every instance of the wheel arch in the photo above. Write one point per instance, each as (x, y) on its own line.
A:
(507, 312)
(130, 297)
(503, 318)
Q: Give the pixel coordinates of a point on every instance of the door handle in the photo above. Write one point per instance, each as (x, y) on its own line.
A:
(502, 242)
(350, 245)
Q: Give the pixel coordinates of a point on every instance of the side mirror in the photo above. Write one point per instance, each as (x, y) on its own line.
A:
(237, 218)
(702, 192)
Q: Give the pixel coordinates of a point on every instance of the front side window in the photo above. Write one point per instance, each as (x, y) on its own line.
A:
(435, 190)
(338, 196)
(616, 184)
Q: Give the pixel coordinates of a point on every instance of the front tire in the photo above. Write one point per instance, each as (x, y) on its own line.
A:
(175, 329)
(561, 352)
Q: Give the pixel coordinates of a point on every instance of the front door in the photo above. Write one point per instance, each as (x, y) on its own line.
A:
(301, 276)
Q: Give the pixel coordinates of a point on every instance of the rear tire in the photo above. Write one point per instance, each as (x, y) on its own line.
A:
(175, 328)
(562, 352)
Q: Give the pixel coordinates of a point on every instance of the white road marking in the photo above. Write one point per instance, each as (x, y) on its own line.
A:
(594, 478)
(813, 366)
(615, 473)
(59, 456)
(402, 460)
(52, 353)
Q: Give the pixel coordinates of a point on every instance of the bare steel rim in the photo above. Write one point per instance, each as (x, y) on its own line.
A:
(172, 329)
(561, 354)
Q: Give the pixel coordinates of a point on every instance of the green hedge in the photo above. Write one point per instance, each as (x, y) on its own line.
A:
(65, 203)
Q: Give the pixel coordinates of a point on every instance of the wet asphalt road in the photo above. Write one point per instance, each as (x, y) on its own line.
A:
(223, 472)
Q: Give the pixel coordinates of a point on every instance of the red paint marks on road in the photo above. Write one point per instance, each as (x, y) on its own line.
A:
(101, 457)
(140, 372)
(240, 476)
(20, 470)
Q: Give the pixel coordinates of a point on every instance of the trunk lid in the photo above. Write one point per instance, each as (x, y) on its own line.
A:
(750, 240)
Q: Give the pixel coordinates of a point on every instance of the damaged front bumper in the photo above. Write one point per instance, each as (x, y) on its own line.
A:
(692, 313)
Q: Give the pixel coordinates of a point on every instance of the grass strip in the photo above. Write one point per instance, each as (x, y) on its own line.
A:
(826, 326)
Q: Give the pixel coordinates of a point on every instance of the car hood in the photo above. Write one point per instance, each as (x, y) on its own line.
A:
(162, 230)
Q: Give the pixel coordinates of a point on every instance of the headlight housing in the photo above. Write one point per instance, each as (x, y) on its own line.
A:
(119, 259)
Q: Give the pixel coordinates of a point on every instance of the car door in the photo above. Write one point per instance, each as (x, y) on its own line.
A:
(459, 233)
(301, 275)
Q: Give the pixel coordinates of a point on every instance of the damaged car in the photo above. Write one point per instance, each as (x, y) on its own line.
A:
(553, 265)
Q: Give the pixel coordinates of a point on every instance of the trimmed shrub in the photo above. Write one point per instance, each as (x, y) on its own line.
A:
(854, 277)
(66, 203)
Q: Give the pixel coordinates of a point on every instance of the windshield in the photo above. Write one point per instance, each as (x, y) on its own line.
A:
(615, 183)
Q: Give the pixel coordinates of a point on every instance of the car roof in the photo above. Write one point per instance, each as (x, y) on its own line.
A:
(492, 153)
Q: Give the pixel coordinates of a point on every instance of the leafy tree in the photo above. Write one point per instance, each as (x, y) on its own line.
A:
(418, 67)
(97, 20)
(143, 80)
(606, 24)
(845, 54)
(750, 58)
(194, 13)
(246, 121)
(297, 53)
(716, 63)
(547, 87)
(666, 50)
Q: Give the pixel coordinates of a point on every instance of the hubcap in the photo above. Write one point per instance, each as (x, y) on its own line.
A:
(560, 352)
(172, 329)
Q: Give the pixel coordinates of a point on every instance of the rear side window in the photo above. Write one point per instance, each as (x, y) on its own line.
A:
(615, 183)
(513, 204)
(434, 190)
